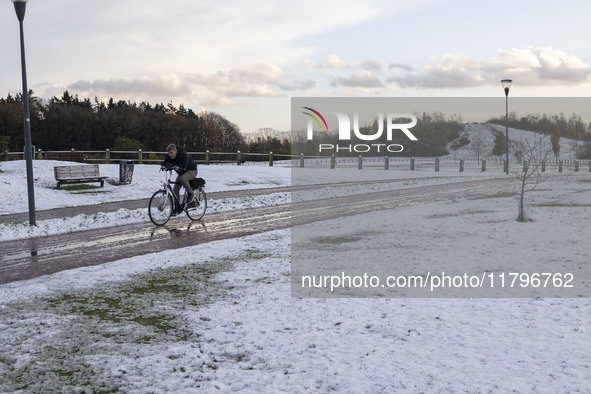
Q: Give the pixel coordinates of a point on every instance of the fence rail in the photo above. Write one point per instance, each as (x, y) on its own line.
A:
(385, 162)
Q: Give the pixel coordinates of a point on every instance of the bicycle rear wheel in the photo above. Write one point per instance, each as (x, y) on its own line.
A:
(160, 208)
(197, 212)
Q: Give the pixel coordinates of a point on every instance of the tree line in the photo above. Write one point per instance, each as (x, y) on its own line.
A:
(66, 122)
(573, 128)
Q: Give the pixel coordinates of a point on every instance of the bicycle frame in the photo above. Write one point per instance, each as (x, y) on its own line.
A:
(169, 192)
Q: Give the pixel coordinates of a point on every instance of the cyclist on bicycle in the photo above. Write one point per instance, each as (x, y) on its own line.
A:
(187, 170)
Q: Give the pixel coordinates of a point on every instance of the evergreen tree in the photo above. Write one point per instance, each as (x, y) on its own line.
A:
(500, 144)
(555, 139)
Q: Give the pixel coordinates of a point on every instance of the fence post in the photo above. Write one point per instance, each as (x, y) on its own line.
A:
(39, 154)
(525, 165)
(437, 164)
(412, 163)
(108, 156)
(140, 156)
(207, 158)
(543, 165)
(238, 158)
(461, 165)
(332, 162)
(386, 163)
(505, 164)
(576, 166)
(359, 162)
(483, 165)
(559, 165)
(270, 159)
(589, 165)
(301, 160)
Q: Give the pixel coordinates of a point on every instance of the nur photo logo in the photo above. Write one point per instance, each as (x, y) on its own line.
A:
(351, 132)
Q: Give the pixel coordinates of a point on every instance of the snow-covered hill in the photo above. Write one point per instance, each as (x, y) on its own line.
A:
(479, 142)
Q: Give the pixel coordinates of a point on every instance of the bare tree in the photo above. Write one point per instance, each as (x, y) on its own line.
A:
(534, 153)
(478, 143)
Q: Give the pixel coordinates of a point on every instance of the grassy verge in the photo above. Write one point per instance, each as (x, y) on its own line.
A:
(57, 336)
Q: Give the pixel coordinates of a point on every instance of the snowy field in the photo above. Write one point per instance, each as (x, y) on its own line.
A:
(219, 317)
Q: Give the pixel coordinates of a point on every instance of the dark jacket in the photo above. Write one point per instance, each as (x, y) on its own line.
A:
(182, 160)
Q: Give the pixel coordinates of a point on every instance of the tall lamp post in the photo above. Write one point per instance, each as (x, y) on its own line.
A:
(20, 6)
(506, 86)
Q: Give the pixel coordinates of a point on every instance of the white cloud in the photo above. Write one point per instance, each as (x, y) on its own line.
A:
(371, 65)
(529, 66)
(401, 66)
(363, 80)
(260, 80)
(150, 86)
(330, 61)
(219, 89)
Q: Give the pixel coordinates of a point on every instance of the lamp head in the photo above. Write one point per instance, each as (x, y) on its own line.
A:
(20, 7)
(505, 82)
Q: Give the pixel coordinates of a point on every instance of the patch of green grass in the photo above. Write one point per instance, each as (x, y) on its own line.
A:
(13, 224)
(92, 192)
(561, 205)
(157, 322)
(81, 186)
(61, 372)
(449, 215)
(474, 212)
(109, 317)
(117, 183)
(254, 254)
(344, 239)
(441, 215)
(337, 240)
(239, 183)
(497, 195)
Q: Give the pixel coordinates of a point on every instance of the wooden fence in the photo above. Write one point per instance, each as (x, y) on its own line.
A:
(247, 158)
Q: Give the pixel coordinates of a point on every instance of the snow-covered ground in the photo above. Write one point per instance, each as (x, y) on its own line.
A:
(146, 180)
(219, 317)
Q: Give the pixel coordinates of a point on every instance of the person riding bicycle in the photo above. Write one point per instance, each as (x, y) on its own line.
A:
(187, 170)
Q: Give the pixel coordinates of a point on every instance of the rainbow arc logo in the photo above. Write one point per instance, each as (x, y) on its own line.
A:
(315, 118)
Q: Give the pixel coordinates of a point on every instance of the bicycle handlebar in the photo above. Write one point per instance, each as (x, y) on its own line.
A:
(170, 168)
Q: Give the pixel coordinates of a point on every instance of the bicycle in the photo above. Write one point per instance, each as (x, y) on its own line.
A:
(163, 202)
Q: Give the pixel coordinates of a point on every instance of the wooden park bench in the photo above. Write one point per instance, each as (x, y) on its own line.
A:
(78, 174)
(65, 156)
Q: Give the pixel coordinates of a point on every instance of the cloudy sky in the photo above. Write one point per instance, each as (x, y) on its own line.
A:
(246, 59)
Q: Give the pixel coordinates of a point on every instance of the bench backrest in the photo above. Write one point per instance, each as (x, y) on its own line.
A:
(84, 171)
(65, 156)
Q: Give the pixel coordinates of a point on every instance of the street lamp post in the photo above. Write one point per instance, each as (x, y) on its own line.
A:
(20, 6)
(506, 86)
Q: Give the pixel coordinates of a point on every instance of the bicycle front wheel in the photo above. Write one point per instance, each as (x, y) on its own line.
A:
(197, 212)
(160, 208)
